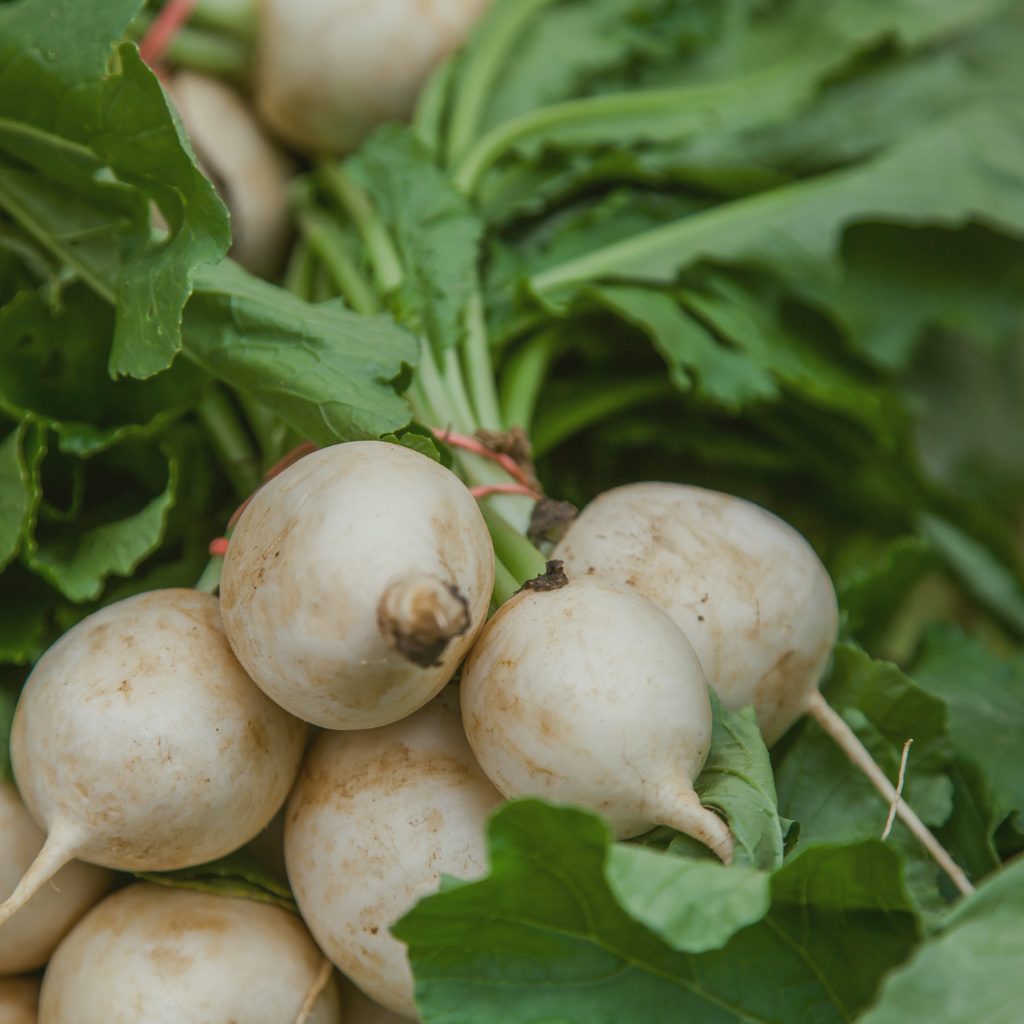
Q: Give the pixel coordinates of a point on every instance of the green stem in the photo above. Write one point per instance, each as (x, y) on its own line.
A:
(456, 389)
(483, 62)
(479, 366)
(230, 440)
(209, 581)
(505, 584)
(428, 117)
(523, 376)
(239, 17)
(210, 53)
(386, 264)
(330, 243)
(428, 378)
(522, 560)
(298, 276)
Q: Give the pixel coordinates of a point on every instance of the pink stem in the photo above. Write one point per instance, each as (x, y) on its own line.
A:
(471, 444)
(483, 490)
(219, 546)
(167, 24)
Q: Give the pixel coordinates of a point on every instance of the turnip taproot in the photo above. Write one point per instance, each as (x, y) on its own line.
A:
(590, 694)
(250, 173)
(355, 582)
(375, 818)
(750, 594)
(139, 742)
(329, 71)
(19, 1000)
(156, 955)
(27, 943)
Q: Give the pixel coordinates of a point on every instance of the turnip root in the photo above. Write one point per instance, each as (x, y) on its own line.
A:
(375, 818)
(250, 173)
(19, 1000)
(139, 743)
(749, 593)
(27, 943)
(155, 955)
(329, 71)
(590, 694)
(355, 582)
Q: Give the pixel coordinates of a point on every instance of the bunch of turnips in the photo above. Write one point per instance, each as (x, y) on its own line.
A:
(167, 729)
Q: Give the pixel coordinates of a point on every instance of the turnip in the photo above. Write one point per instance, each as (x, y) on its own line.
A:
(139, 743)
(19, 1000)
(27, 943)
(329, 71)
(375, 818)
(749, 593)
(355, 582)
(250, 173)
(590, 694)
(155, 955)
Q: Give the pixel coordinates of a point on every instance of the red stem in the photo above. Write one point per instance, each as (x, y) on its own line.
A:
(168, 23)
(483, 490)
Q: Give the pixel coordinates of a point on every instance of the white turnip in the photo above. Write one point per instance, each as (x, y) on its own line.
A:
(250, 172)
(748, 591)
(27, 942)
(590, 694)
(329, 71)
(19, 1000)
(355, 582)
(375, 818)
(155, 955)
(750, 594)
(139, 743)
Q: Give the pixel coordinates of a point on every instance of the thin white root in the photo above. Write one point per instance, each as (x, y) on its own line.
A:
(847, 740)
(319, 983)
(899, 790)
(51, 858)
(687, 814)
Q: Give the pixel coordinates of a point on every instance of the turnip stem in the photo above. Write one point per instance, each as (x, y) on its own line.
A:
(429, 381)
(846, 738)
(209, 581)
(431, 105)
(298, 276)
(329, 242)
(479, 367)
(456, 388)
(505, 584)
(52, 857)
(230, 440)
(523, 376)
(386, 264)
(484, 61)
(521, 558)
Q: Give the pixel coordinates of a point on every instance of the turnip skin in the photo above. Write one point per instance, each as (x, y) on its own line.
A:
(375, 818)
(348, 537)
(156, 955)
(592, 695)
(746, 588)
(139, 742)
(250, 172)
(329, 71)
(19, 1000)
(27, 943)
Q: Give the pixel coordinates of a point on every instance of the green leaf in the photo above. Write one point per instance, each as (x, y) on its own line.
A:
(694, 905)
(321, 368)
(737, 779)
(723, 374)
(8, 704)
(20, 455)
(78, 564)
(71, 108)
(238, 875)
(26, 616)
(985, 697)
(970, 971)
(979, 570)
(542, 937)
(435, 232)
(964, 167)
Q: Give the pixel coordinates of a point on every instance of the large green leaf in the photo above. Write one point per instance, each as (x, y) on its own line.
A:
(970, 972)
(72, 110)
(20, 454)
(542, 938)
(985, 696)
(321, 368)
